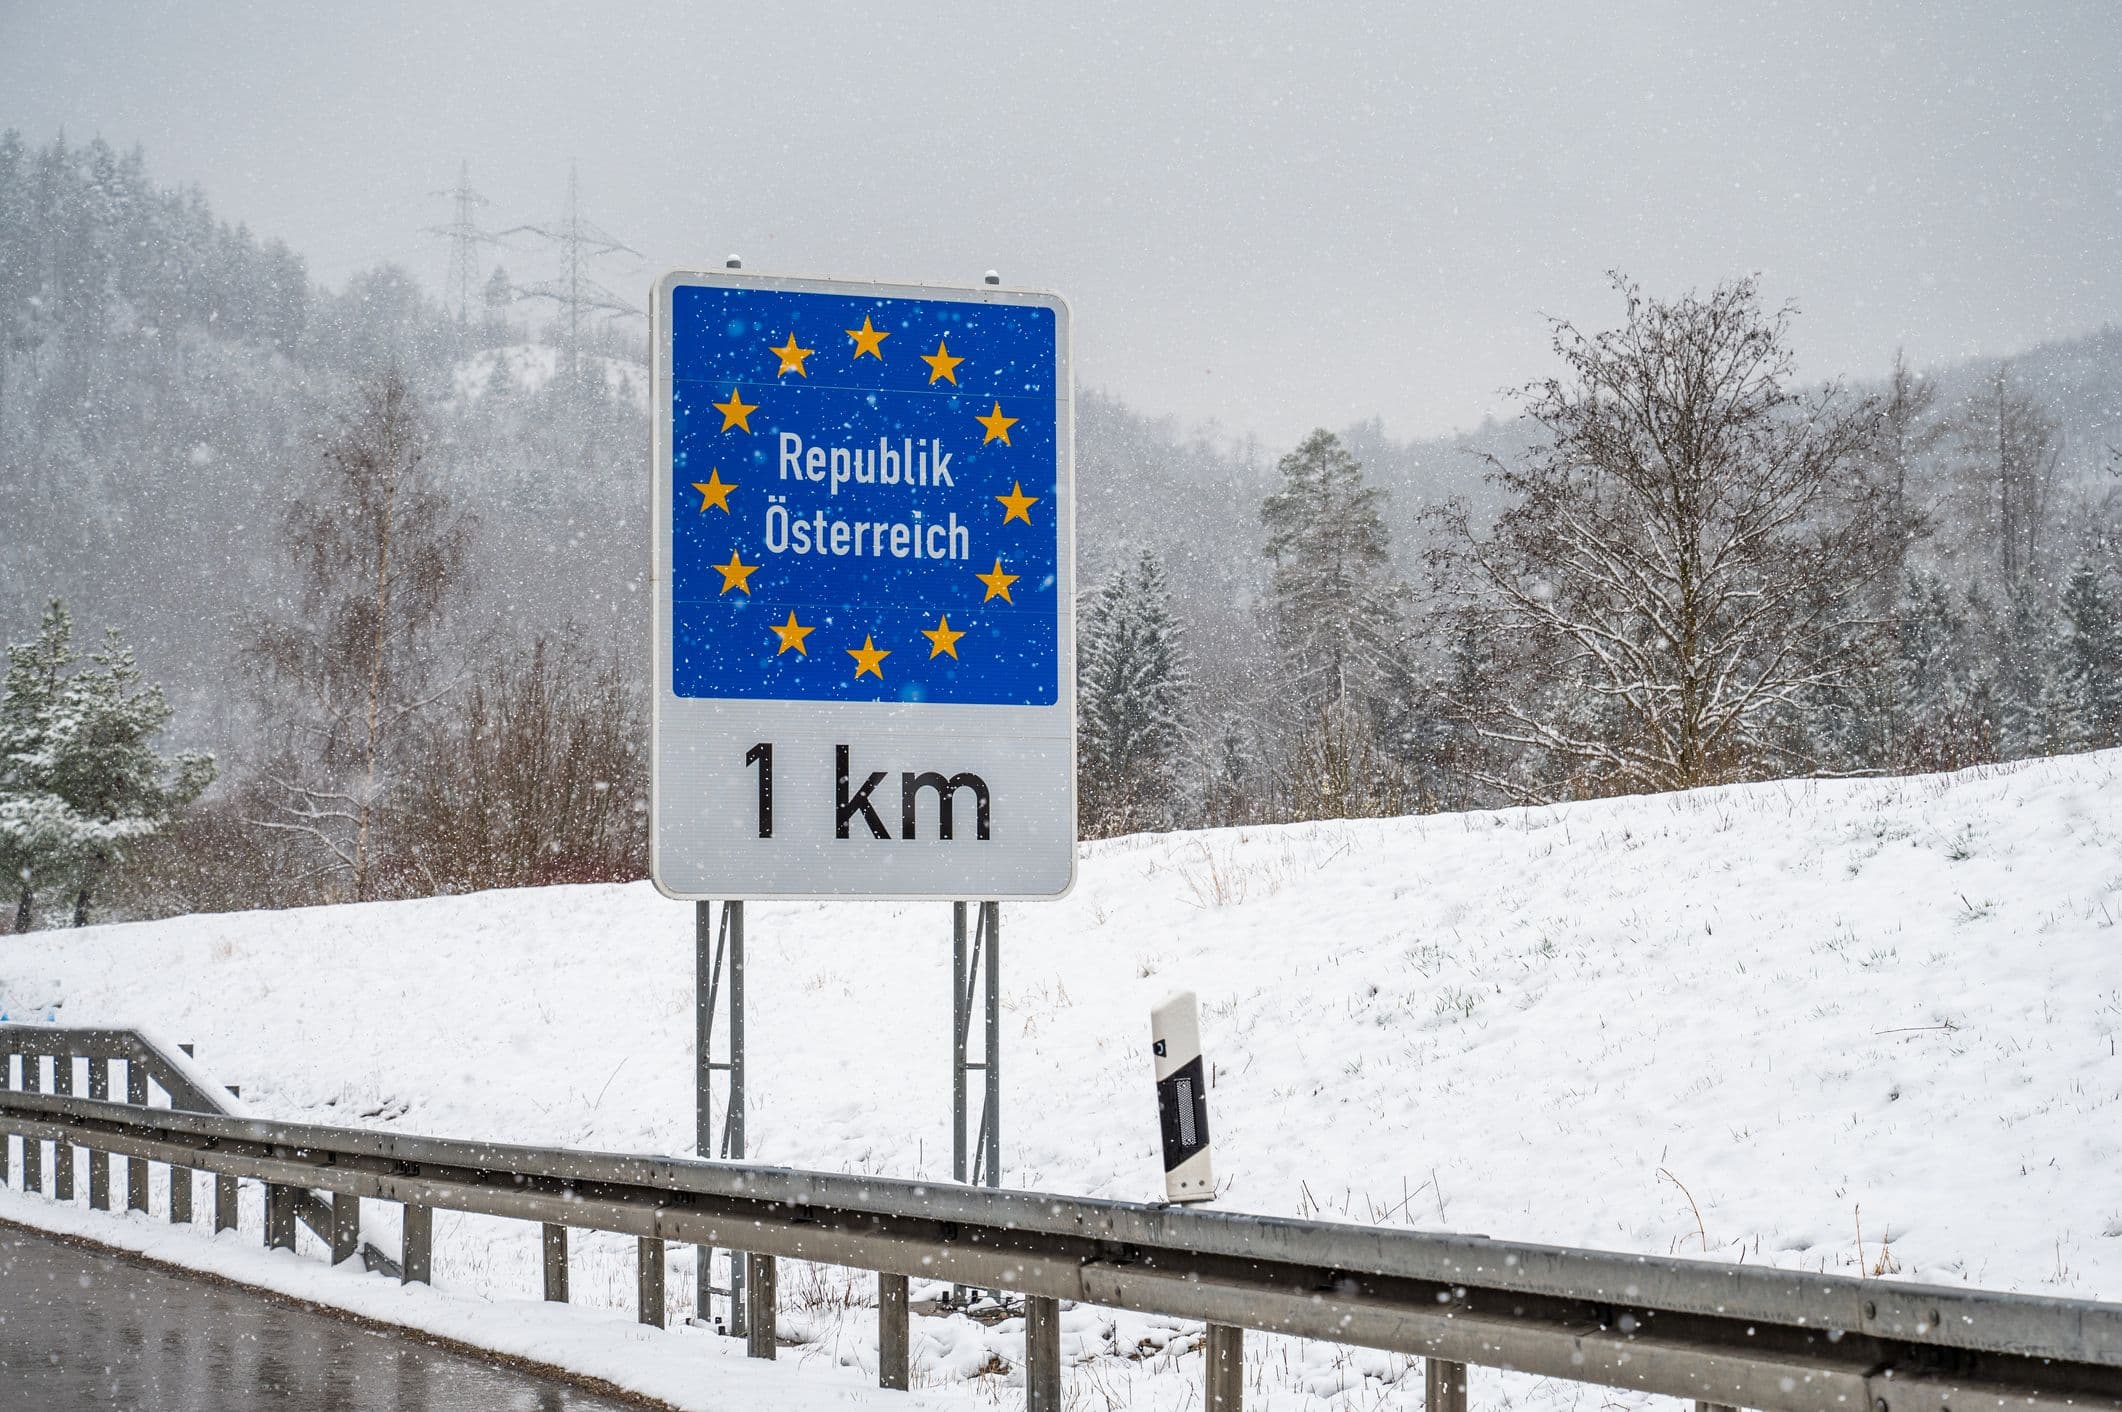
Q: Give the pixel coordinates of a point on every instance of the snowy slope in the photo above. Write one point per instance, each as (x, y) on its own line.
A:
(1794, 1009)
(528, 367)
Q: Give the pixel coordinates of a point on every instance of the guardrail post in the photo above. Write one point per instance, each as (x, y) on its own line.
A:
(1701, 1406)
(224, 1202)
(99, 1163)
(1223, 1370)
(136, 1167)
(762, 1304)
(651, 1280)
(416, 1246)
(279, 1216)
(556, 1263)
(180, 1196)
(7, 1139)
(346, 1226)
(180, 1178)
(1042, 1354)
(1443, 1386)
(32, 1147)
(62, 1150)
(894, 1337)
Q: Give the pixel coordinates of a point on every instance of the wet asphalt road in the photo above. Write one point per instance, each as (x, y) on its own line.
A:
(81, 1330)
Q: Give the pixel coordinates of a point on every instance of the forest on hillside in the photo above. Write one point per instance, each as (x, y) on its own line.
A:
(1678, 565)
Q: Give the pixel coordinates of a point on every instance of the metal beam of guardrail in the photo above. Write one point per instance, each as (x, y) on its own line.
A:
(147, 1064)
(1740, 1336)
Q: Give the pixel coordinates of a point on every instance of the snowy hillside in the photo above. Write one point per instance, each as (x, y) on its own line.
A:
(528, 367)
(1743, 1022)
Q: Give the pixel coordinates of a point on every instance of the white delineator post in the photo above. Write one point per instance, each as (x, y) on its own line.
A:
(1182, 1098)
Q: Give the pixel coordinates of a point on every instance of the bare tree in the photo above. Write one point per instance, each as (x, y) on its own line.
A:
(537, 775)
(1685, 567)
(379, 550)
(2014, 449)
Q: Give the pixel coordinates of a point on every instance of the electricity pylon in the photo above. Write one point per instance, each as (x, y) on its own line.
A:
(465, 237)
(579, 241)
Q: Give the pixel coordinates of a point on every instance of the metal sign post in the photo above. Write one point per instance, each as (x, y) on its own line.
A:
(718, 972)
(976, 1154)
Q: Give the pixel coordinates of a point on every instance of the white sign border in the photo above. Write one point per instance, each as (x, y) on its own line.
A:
(661, 395)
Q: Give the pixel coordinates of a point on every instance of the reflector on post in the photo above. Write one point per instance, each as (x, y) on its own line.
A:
(1182, 1098)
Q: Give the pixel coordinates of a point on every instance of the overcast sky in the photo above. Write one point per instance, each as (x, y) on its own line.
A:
(1268, 216)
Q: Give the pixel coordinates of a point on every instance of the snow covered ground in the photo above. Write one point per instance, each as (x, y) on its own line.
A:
(1743, 1023)
(527, 367)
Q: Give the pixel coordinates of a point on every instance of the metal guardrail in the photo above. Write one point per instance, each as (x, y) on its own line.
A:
(1724, 1335)
(145, 1066)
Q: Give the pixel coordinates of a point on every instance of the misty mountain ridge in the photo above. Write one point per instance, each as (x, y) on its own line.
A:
(168, 378)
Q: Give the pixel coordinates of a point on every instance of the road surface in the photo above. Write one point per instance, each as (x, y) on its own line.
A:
(83, 1330)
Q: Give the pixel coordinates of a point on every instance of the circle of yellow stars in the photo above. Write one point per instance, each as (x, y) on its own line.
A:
(715, 492)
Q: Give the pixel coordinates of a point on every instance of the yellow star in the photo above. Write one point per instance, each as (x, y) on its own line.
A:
(997, 428)
(941, 638)
(868, 658)
(715, 491)
(871, 341)
(736, 574)
(792, 634)
(791, 358)
(941, 364)
(1017, 503)
(998, 583)
(736, 412)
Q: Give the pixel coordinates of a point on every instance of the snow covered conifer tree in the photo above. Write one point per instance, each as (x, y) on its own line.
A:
(1132, 690)
(2033, 707)
(1333, 612)
(2092, 661)
(103, 767)
(79, 777)
(33, 825)
(1940, 696)
(1334, 604)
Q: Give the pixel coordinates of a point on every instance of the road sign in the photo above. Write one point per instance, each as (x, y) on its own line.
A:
(863, 578)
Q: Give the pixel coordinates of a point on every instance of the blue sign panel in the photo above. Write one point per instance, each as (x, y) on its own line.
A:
(863, 498)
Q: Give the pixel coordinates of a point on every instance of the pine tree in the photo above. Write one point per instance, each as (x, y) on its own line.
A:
(1333, 602)
(1131, 702)
(2091, 661)
(2033, 709)
(1334, 616)
(80, 782)
(33, 823)
(104, 768)
(1939, 721)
